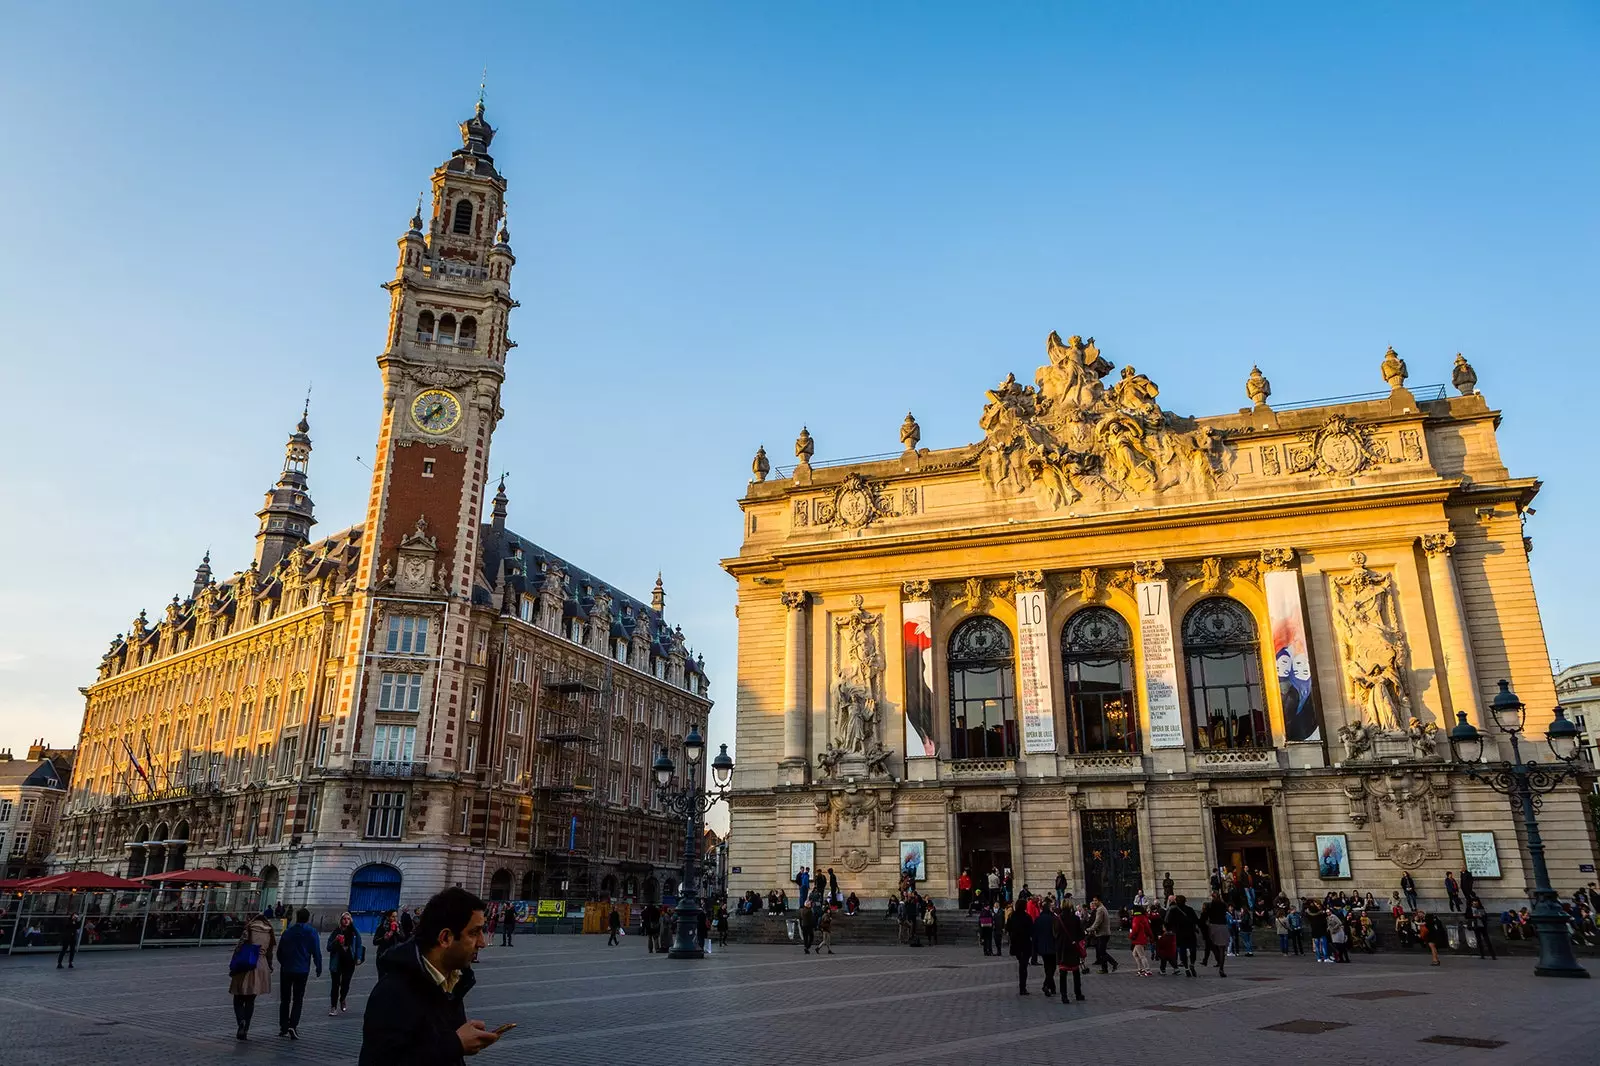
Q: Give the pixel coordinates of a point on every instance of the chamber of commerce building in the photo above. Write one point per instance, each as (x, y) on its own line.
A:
(421, 699)
(1120, 644)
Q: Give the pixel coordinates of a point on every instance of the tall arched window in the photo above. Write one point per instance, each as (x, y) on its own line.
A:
(447, 329)
(1225, 691)
(425, 326)
(983, 691)
(468, 337)
(1097, 660)
(463, 217)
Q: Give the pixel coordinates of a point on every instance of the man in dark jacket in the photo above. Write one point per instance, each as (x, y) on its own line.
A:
(1044, 943)
(297, 949)
(416, 1015)
(1019, 930)
(650, 922)
(508, 925)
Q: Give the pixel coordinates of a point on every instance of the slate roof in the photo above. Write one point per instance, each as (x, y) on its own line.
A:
(41, 774)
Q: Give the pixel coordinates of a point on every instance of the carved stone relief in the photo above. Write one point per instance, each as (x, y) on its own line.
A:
(1373, 646)
(1073, 436)
(856, 741)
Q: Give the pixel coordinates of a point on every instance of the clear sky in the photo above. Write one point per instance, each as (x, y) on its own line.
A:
(732, 219)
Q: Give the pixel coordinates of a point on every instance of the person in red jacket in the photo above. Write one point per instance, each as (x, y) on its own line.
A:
(1140, 937)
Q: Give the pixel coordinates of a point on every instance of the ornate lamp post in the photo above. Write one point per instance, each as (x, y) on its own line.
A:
(1526, 783)
(691, 803)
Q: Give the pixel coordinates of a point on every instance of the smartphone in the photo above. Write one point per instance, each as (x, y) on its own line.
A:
(506, 1028)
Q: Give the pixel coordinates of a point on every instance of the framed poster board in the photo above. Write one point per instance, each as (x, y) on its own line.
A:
(1480, 854)
(914, 859)
(1333, 857)
(801, 853)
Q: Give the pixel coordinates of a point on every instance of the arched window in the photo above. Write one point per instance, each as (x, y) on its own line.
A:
(463, 217)
(425, 326)
(983, 691)
(468, 337)
(1224, 660)
(447, 329)
(1097, 661)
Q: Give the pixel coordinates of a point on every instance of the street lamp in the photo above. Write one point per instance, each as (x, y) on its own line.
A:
(1526, 783)
(691, 803)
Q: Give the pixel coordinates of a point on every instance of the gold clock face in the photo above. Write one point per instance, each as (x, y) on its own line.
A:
(436, 411)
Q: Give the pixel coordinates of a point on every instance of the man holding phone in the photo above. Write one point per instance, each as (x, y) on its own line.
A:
(417, 1013)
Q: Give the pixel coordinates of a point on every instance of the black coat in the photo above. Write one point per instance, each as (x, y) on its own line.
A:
(1019, 930)
(1183, 924)
(410, 1020)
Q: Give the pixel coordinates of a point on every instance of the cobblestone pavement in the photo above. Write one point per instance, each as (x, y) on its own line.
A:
(578, 1002)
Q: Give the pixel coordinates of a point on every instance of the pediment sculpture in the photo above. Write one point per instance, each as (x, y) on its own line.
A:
(1070, 435)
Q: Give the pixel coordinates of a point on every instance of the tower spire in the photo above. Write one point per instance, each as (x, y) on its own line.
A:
(286, 514)
(202, 574)
(658, 596)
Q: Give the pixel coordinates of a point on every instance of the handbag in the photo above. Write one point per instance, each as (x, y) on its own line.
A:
(245, 957)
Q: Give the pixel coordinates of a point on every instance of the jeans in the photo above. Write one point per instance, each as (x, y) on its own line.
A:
(805, 937)
(1297, 940)
(1101, 959)
(1247, 937)
(1250, 897)
(1319, 944)
(69, 947)
(986, 934)
(291, 997)
(1185, 958)
(1411, 901)
(505, 934)
(1283, 943)
(339, 985)
(1061, 894)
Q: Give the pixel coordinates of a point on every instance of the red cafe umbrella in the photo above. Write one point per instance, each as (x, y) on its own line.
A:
(77, 881)
(200, 877)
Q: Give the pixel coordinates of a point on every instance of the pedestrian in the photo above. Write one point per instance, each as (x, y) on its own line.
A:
(1019, 930)
(1061, 887)
(1280, 925)
(69, 941)
(298, 948)
(1100, 935)
(345, 953)
(1338, 937)
(250, 969)
(993, 881)
(833, 889)
(1409, 887)
(1183, 925)
(1452, 891)
(1317, 920)
(1247, 931)
(1139, 937)
(417, 1012)
(1464, 883)
(508, 924)
(1479, 917)
(614, 923)
(1067, 932)
(722, 925)
(664, 943)
(803, 880)
(1166, 890)
(986, 928)
(408, 924)
(1433, 933)
(808, 925)
(825, 931)
(1214, 918)
(650, 924)
(1044, 944)
(930, 922)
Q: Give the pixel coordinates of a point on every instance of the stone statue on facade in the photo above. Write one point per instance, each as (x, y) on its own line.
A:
(856, 721)
(1463, 377)
(760, 466)
(1257, 387)
(1394, 369)
(910, 433)
(1072, 435)
(1367, 619)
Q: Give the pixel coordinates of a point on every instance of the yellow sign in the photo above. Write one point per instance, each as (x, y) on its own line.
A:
(552, 908)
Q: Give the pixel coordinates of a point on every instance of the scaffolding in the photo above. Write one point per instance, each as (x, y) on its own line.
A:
(569, 797)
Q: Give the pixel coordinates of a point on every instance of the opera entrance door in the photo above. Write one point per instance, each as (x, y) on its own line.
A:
(1111, 857)
(1245, 842)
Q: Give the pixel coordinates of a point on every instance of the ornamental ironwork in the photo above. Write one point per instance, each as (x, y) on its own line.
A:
(980, 640)
(1217, 623)
(1097, 632)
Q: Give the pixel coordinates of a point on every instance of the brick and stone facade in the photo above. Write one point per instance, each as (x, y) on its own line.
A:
(423, 699)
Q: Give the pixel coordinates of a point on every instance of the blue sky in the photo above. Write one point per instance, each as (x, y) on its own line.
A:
(732, 219)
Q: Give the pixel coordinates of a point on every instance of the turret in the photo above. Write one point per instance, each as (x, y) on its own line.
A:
(286, 515)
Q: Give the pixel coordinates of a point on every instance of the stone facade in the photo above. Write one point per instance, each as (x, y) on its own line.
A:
(31, 795)
(422, 699)
(1119, 643)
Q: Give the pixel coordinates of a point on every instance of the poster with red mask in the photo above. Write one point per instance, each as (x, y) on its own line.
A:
(1291, 656)
(917, 625)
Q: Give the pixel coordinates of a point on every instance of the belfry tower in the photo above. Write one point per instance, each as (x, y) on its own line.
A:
(442, 364)
(286, 516)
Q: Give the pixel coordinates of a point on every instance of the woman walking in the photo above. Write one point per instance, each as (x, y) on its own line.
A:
(345, 953)
(248, 982)
(1139, 937)
(1182, 923)
(1068, 935)
(1433, 933)
(1214, 916)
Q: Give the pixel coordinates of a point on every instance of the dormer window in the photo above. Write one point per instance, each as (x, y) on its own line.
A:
(463, 218)
(577, 631)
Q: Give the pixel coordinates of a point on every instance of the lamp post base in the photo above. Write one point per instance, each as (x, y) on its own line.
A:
(1556, 958)
(686, 942)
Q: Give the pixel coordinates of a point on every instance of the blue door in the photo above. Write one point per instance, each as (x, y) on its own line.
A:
(374, 891)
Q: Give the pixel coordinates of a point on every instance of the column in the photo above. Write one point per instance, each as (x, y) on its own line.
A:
(1459, 669)
(795, 758)
(1011, 803)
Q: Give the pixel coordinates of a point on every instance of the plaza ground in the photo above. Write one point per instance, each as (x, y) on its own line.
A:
(577, 1001)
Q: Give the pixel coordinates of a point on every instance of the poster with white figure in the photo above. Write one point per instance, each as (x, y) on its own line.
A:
(1033, 680)
(1160, 665)
(1291, 655)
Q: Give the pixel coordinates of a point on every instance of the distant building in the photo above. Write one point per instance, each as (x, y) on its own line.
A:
(423, 698)
(31, 795)
(1578, 689)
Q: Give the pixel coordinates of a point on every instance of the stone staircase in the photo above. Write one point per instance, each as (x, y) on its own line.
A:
(862, 928)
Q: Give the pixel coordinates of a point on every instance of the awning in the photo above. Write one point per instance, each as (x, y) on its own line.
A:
(77, 881)
(200, 877)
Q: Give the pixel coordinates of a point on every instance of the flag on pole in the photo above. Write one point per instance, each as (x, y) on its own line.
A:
(133, 760)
